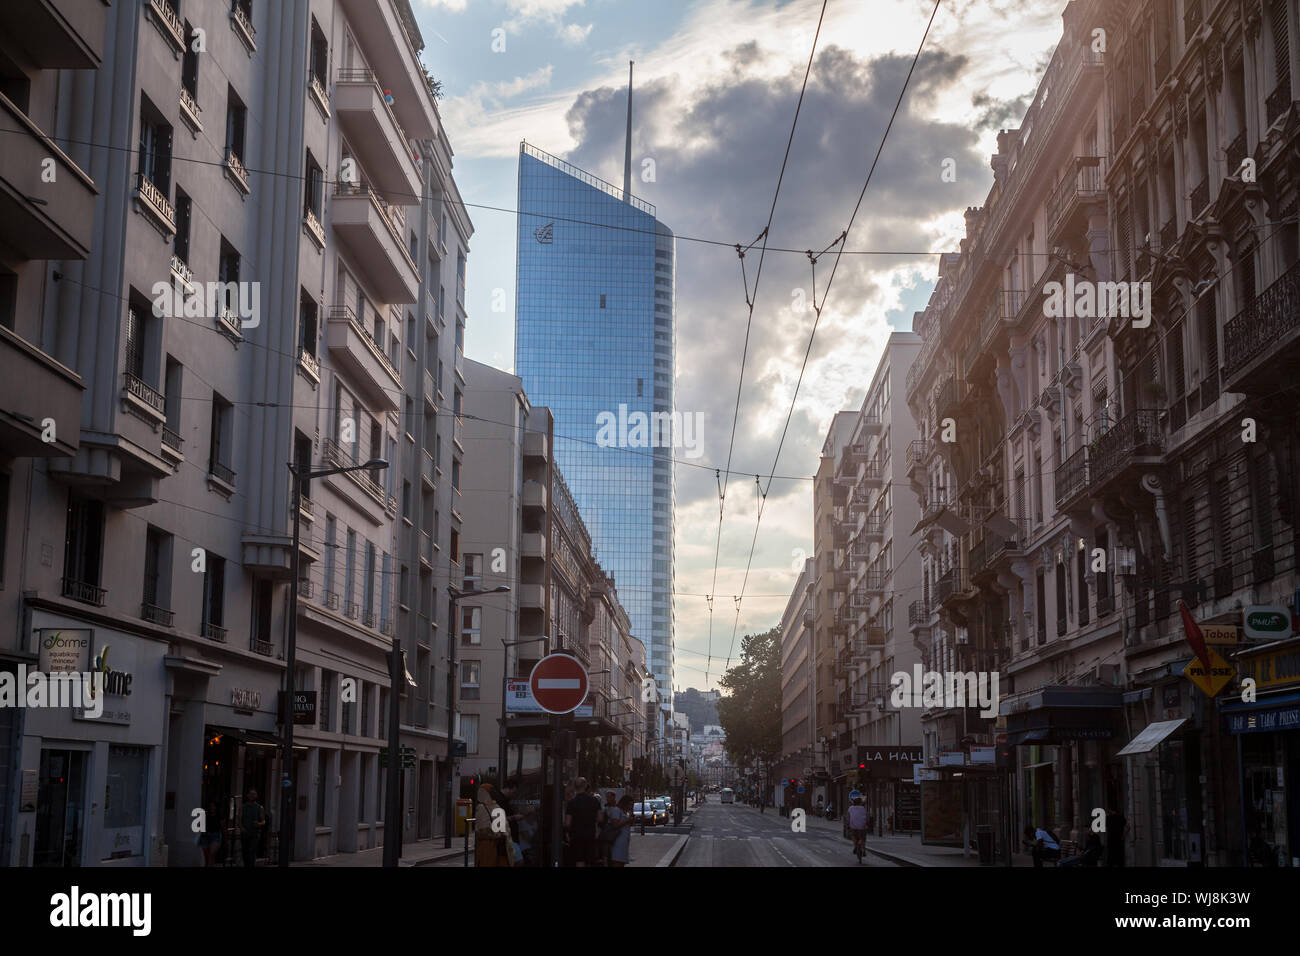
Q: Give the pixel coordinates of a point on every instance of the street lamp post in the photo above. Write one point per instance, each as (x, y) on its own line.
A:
(505, 662)
(291, 646)
(452, 628)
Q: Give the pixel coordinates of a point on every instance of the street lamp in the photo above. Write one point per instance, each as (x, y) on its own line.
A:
(291, 643)
(502, 756)
(455, 594)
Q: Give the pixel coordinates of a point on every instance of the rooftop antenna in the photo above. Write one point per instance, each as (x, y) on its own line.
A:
(627, 155)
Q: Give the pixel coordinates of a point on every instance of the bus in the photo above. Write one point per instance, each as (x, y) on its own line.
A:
(728, 795)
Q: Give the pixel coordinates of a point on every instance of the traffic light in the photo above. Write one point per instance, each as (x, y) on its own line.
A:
(473, 781)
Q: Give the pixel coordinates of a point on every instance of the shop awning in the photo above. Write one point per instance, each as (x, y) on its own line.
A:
(1151, 737)
(1263, 716)
(1026, 737)
(1058, 714)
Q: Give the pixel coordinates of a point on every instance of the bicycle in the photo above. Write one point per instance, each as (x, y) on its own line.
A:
(859, 845)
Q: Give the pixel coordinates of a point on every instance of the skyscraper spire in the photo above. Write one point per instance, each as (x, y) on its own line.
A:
(627, 155)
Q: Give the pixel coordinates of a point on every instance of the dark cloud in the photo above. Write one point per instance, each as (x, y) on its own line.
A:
(717, 159)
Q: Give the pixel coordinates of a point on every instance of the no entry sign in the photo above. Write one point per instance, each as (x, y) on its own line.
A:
(559, 683)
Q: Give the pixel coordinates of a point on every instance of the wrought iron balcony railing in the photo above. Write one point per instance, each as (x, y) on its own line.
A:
(1136, 435)
(1274, 313)
(1071, 476)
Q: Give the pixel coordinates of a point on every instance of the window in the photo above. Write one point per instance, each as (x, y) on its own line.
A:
(157, 555)
(263, 601)
(349, 574)
(404, 587)
(1042, 607)
(455, 547)
(221, 442)
(469, 731)
(308, 324)
(214, 592)
(473, 570)
(331, 545)
(320, 788)
(84, 544)
(315, 187)
(471, 620)
(320, 55)
(346, 710)
(155, 146)
(190, 64)
(455, 473)
(184, 212)
(469, 677)
(376, 448)
(602, 302)
(124, 800)
(368, 586)
(406, 500)
(1081, 564)
(236, 124)
(228, 273)
(1060, 599)
(325, 698)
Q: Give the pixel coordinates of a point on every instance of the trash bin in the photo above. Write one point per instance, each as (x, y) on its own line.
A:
(984, 841)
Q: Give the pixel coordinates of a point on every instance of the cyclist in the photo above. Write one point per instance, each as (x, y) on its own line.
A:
(857, 821)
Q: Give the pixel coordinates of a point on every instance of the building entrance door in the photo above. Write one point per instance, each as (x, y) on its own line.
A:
(60, 799)
(426, 800)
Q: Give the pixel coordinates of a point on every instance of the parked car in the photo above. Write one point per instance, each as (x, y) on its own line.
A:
(662, 808)
(646, 812)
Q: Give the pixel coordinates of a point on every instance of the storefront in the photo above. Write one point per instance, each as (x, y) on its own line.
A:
(90, 777)
(1267, 735)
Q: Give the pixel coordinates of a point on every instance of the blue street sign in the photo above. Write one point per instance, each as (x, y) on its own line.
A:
(801, 789)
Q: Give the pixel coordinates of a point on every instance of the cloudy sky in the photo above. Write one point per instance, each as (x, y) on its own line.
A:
(715, 91)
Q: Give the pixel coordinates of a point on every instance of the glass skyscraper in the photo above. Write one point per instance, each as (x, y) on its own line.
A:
(594, 337)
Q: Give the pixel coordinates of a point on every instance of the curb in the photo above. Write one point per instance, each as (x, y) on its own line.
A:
(429, 861)
(675, 852)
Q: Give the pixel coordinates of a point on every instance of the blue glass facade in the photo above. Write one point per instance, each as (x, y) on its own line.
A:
(594, 336)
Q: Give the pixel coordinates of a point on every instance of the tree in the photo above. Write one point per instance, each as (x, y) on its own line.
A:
(750, 713)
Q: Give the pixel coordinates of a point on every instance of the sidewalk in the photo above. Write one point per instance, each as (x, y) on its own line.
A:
(417, 853)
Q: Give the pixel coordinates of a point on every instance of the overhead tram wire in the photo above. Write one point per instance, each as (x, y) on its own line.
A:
(751, 300)
(817, 310)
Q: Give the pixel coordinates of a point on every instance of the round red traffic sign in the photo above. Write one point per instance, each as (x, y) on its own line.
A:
(558, 683)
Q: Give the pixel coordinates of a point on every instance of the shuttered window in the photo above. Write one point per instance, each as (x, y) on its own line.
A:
(1281, 43)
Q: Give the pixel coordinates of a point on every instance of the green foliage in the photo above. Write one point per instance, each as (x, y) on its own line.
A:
(750, 713)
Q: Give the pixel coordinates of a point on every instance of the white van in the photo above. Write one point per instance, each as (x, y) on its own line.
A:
(728, 795)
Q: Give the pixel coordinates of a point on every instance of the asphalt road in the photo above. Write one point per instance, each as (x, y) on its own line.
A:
(737, 835)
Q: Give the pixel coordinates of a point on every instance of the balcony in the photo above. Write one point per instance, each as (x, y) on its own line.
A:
(236, 172)
(143, 399)
(952, 586)
(190, 110)
(155, 614)
(918, 451)
(532, 546)
(168, 22)
(373, 132)
(1078, 194)
(532, 596)
(320, 94)
(860, 503)
(873, 529)
(1134, 442)
(243, 27)
(457, 430)
(336, 456)
(1002, 314)
(33, 389)
(367, 226)
(1071, 479)
(315, 231)
(535, 495)
(82, 591)
(1259, 344)
(309, 366)
(59, 226)
(950, 394)
(222, 473)
(536, 445)
(873, 582)
(918, 615)
(430, 393)
(870, 424)
(172, 444)
(984, 554)
(355, 350)
(213, 632)
(57, 34)
(390, 41)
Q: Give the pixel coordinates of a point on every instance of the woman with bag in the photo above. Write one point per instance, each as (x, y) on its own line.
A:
(491, 848)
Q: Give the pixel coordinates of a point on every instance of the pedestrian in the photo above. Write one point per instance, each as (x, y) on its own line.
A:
(1116, 830)
(490, 841)
(1043, 844)
(210, 838)
(252, 821)
(506, 799)
(581, 815)
(618, 831)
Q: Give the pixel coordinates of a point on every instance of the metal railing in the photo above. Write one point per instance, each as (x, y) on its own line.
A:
(156, 614)
(1085, 184)
(171, 439)
(217, 470)
(917, 451)
(137, 388)
(584, 176)
(82, 591)
(265, 648)
(918, 613)
(1273, 313)
(213, 632)
(1135, 435)
(337, 456)
(235, 166)
(1071, 476)
(394, 219)
(344, 313)
(155, 200)
(309, 363)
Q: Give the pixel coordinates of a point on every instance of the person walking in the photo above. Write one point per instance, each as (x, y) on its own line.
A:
(619, 829)
(581, 815)
(505, 797)
(489, 842)
(1116, 830)
(210, 838)
(252, 820)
